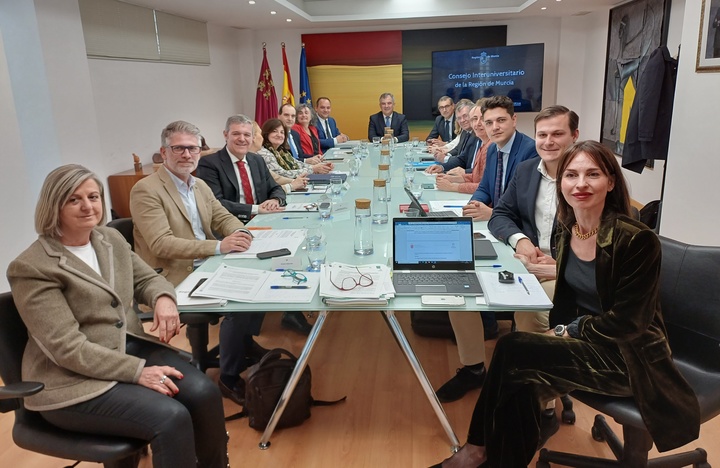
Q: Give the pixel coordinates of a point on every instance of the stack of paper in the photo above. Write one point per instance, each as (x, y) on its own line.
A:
(251, 285)
(455, 206)
(524, 293)
(271, 239)
(182, 292)
(344, 284)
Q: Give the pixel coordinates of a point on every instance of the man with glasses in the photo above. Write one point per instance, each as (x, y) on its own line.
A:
(463, 154)
(175, 217)
(444, 128)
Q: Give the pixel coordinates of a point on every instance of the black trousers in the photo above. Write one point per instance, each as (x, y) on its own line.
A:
(186, 431)
(236, 331)
(527, 370)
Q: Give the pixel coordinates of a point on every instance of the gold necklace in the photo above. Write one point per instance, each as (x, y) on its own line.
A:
(587, 235)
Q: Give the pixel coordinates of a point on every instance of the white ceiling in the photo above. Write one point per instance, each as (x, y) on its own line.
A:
(306, 14)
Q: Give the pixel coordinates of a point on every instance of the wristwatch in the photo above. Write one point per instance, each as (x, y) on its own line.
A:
(560, 330)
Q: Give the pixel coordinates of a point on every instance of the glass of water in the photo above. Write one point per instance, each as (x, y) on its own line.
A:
(376, 141)
(316, 255)
(409, 172)
(313, 233)
(324, 207)
(354, 167)
(336, 185)
(416, 189)
(415, 142)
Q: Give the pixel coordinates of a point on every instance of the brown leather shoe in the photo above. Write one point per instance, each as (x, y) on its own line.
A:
(235, 394)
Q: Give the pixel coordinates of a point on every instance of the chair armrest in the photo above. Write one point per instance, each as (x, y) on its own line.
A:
(20, 390)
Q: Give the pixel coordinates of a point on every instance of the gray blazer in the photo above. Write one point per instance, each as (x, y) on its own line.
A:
(77, 320)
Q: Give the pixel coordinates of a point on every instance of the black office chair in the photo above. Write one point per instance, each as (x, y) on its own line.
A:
(198, 325)
(31, 431)
(690, 301)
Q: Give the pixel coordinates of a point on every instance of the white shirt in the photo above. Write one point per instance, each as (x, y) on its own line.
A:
(545, 210)
(326, 128)
(87, 254)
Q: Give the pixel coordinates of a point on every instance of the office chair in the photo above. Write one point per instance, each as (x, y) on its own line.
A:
(30, 431)
(198, 324)
(690, 302)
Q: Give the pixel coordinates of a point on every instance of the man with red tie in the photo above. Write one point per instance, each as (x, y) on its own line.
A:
(239, 179)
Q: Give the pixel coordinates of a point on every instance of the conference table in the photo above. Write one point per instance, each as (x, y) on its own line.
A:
(339, 234)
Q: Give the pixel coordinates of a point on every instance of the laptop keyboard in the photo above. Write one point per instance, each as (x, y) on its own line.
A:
(412, 279)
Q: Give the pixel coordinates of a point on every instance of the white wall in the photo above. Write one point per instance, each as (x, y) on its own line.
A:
(692, 198)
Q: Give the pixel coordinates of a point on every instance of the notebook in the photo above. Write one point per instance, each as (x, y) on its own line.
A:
(434, 256)
(415, 203)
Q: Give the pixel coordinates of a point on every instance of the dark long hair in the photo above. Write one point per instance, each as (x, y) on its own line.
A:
(268, 127)
(618, 199)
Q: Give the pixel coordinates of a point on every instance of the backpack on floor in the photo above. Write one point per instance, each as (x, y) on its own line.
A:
(264, 385)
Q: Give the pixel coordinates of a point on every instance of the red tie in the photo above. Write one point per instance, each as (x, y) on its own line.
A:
(245, 182)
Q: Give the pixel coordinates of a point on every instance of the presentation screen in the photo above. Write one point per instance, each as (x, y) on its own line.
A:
(514, 71)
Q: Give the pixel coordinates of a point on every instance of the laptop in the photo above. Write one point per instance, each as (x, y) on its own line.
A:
(434, 256)
(415, 203)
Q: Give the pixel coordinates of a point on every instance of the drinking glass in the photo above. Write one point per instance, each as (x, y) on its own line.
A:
(416, 189)
(412, 213)
(313, 234)
(336, 185)
(316, 255)
(354, 167)
(324, 207)
(409, 172)
(376, 141)
(415, 142)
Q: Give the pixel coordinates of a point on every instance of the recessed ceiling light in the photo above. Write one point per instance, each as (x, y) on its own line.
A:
(289, 20)
(543, 8)
(252, 2)
(273, 12)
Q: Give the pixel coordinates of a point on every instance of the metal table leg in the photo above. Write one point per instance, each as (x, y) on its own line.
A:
(294, 377)
(402, 341)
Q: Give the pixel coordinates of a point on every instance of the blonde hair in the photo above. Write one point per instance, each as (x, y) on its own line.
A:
(57, 189)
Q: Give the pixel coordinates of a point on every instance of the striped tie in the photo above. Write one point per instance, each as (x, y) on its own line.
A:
(498, 178)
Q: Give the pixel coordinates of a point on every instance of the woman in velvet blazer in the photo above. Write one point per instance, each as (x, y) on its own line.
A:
(74, 289)
(610, 337)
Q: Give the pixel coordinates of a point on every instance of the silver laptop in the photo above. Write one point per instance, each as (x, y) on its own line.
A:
(415, 203)
(434, 256)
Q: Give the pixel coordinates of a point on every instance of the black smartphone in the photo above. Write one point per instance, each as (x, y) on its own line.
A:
(478, 235)
(428, 186)
(199, 283)
(324, 206)
(273, 253)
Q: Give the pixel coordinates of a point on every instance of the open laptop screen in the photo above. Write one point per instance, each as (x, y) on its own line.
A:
(433, 244)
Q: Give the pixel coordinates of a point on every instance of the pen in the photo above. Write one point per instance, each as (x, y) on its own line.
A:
(292, 287)
(495, 265)
(293, 217)
(523, 285)
(453, 206)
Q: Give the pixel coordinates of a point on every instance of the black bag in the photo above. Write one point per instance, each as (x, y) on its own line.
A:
(265, 383)
(432, 323)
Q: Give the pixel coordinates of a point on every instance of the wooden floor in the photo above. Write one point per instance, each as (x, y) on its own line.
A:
(386, 420)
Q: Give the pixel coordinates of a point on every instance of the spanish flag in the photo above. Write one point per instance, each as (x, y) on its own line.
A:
(287, 95)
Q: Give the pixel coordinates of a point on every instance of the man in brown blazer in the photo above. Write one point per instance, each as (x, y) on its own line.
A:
(175, 216)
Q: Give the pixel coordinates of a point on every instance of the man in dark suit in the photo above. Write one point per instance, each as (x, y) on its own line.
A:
(287, 114)
(387, 117)
(444, 126)
(328, 132)
(239, 179)
(444, 152)
(509, 148)
(465, 149)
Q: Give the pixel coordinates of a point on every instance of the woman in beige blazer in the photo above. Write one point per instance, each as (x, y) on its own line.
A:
(74, 289)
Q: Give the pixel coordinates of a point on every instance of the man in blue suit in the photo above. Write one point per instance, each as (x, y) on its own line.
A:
(509, 148)
(387, 117)
(326, 125)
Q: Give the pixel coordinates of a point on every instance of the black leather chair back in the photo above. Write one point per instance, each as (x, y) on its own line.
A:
(690, 301)
(125, 226)
(13, 338)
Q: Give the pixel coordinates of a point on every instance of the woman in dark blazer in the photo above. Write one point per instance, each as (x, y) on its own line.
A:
(74, 289)
(609, 335)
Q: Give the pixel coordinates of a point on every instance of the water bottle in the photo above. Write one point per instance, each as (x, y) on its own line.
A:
(363, 227)
(379, 202)
(385, 156)
(384, 174)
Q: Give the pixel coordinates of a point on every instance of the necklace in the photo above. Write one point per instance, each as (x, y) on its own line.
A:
(587, 235)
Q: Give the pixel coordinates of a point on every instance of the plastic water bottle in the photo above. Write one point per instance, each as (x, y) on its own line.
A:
(363, 228)
(379, 202)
